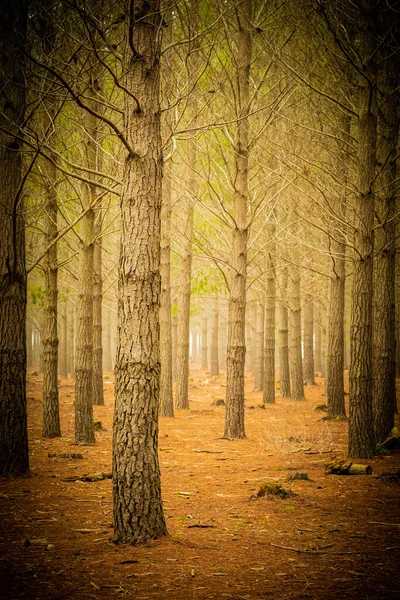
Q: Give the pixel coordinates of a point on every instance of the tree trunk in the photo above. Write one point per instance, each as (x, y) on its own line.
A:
(166, 396)
(236, 348)
(269, 351)
(84, 432)
(51, 411)
(138, 510)
(284, 370)
(249, 344)
(214, 358)
(174, 345)
(204, 347)
(71, 337)
(335, 362)
(29, 344)
(98, 388)
(62, 355)
(14, 459)
(361, 433)
(259, 348)
(295, 355)
(182, 359)
(318, 341)
(384, 336)
(308, 363)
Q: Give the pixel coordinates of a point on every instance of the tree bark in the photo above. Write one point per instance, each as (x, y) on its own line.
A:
(62, 355)
(182, 358)
(51, 411)
(259, 348)
(84, 432)
(335, 362)
(236, 348)
(361, 433)
(284, 370)
(166, 396)
(384, 336)
(308, 362)
(269, 351)
(295, 355)
(14, 459)
(138, 511)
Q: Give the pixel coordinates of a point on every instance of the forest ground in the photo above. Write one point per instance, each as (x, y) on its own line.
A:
(338, 537)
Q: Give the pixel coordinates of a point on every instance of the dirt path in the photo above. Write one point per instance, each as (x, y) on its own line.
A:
(337, 537)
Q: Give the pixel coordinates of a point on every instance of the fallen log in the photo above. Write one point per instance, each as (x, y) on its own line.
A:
(94, 477)
(73, 455)
(347, 467)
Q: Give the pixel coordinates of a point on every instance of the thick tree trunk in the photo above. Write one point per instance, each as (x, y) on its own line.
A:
(384, 336)
(84, 432)
(295, 355)
(51, 411)
(236, 348)
(14, 458)
(308, 362)
(269, 351)
(259, 349)
(204, 347)
(335, 362)
(214, 358)
(283, 337)
(138, 511)
(166, 396)
(361, 433)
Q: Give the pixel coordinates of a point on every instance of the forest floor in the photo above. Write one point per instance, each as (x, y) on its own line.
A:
(336, 537)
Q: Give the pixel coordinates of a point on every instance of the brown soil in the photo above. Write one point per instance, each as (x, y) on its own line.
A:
(337, 537)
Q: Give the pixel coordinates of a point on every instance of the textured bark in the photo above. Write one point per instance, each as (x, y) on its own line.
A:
(269, 350)
(283, 337)
(182, 358)
(166, 397)
(98, 389)
(308, 362)
(335, 361)
(236, 348)
(214, 358)
(361, 434)
(14, 458)
(138, 511)
(384, 336)
(51, 411)
(84, 432)
(95, 162)
(204, 347)
(295, 355)
(71, 338)
(259, 348)
(62, 354)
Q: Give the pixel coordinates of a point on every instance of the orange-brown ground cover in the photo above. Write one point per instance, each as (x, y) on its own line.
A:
(338, 537)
